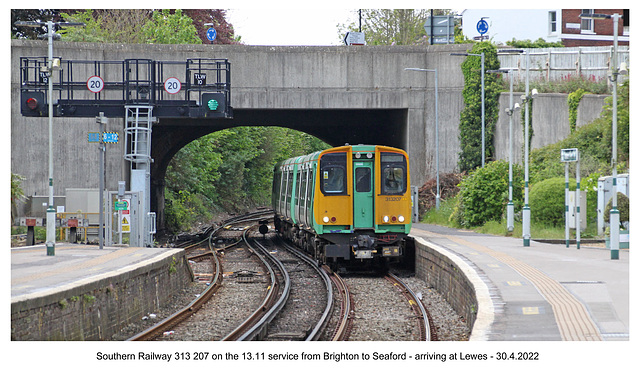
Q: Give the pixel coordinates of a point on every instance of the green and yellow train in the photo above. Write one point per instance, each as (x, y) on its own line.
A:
(346, 206)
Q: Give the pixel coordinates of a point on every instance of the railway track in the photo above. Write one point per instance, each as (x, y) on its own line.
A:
(423, 318)
(385, 309)
(264, 298)
(167, 324)
(257, 324)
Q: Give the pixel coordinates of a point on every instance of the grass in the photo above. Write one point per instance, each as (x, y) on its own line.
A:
(538, 231)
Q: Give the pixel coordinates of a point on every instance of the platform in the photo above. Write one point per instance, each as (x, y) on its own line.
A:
(34, 274)
(87, 293)
(544, 292)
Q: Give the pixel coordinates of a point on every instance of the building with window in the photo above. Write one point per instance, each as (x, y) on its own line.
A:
(552, 25)
(508, 24)
(593, 32)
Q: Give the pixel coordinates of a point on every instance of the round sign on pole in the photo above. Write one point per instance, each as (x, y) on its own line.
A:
(95, 84)
(211, 34)
(482, 26)
(172, 85)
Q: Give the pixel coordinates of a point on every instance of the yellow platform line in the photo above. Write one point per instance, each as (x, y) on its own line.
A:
(573, 320)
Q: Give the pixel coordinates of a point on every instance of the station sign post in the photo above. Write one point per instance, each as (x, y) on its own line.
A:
(567, 156)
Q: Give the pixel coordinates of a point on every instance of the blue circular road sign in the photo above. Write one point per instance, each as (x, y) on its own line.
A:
(482, 26)
(211, 34)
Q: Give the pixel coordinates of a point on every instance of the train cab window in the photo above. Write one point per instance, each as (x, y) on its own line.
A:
(333, 173)
(394, 173)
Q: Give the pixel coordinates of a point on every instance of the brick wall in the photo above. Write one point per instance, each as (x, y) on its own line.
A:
(98, 310)
(601, 27)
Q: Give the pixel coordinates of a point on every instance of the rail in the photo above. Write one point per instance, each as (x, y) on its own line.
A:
(181, 315)
(416, 305)
(256, 325)
(315, 333)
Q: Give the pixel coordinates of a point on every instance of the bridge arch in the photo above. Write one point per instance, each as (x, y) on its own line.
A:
(333, 126)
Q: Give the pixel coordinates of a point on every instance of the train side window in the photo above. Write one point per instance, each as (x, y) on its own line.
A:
(394, 173)
(333, 173)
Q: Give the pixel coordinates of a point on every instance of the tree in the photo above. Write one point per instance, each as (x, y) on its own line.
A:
(170, 28)
(389, 26)
(224, 31)
(392, 26)
(32, 33)
(135, 26)
(107, 25)
(470, 155)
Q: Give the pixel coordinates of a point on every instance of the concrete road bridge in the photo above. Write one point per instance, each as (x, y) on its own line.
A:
(339, 94)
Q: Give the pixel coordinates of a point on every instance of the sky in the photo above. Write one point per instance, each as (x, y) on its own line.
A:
(290, 27)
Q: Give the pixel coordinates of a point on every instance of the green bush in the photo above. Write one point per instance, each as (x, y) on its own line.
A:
(484, 194)
(623, 208)
(546, 199)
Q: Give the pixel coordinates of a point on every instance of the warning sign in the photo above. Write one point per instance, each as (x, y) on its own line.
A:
(125, 217)
(125, 224)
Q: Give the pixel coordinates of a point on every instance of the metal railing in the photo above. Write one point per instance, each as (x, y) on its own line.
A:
(127, 82)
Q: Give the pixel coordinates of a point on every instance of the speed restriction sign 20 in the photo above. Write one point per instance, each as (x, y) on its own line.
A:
(95, 84)
(172, 85)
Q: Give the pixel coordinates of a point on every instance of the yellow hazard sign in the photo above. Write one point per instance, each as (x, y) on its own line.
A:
(125, 224)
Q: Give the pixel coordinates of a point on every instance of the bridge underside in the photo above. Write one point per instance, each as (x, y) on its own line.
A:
(334, 126)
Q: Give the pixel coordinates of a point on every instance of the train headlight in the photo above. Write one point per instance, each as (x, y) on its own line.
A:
(358, 155)
(385, 219)
(325, 219)
(401, 218)
(369, 154)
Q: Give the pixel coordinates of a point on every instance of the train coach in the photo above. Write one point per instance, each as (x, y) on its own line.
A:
(346, 206)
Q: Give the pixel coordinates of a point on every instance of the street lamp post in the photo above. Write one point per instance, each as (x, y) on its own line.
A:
(435, 71)
(526, 210)
(512, 107)
(613, 76)
(51, 211)
(482, 89)
(509, 110)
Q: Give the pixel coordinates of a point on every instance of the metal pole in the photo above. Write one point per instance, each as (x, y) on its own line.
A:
(103, 173)
(526, 211)
(51, 211)
(431, 28)
(510, 208)
(615, 214)
(578, 218)
(437, 147)
(483, 123)
(566, 203)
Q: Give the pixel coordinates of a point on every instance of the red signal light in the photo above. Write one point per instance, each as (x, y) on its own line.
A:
(32, 103)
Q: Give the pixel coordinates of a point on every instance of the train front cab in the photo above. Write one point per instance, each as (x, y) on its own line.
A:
(363, 206)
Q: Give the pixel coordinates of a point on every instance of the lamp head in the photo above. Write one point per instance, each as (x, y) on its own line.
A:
(623, 69)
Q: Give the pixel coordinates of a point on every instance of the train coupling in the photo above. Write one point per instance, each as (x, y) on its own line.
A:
(364, 247)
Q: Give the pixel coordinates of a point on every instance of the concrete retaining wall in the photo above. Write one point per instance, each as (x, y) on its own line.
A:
(550, 122)
(100, 309)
